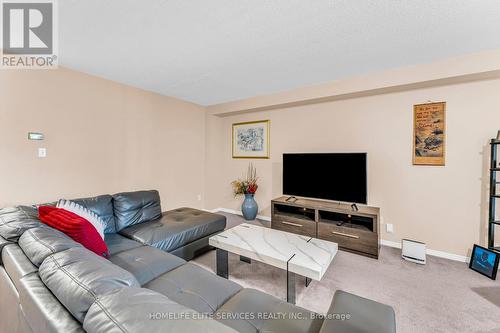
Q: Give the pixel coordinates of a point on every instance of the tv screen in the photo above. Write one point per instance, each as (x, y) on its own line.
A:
(338, 177)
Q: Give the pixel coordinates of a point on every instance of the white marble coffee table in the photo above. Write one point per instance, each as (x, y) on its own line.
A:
(306, 256)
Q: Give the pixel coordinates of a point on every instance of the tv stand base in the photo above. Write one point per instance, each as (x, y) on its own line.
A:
(354, 228)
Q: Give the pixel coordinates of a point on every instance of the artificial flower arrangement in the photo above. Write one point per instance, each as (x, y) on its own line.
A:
(247, 185)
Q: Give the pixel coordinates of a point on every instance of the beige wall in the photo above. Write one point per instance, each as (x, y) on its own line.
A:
(104, 137)
(101, 137)
(443, 206)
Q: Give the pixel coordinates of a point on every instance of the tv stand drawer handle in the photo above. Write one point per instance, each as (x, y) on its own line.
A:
(345, 235)
(292, 224)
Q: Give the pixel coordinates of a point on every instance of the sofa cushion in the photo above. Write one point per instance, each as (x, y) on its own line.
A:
(77, 277)
(195, 287)
(16, 263)
(279, 316)
(136, 207)
(176, 228)
(145, 311)
(14, 221)
(146, 262)
(84, 212)
(42, 309)
(117, 243)
(102, 205)
(76, 227)
(39, 243)
(365, 315)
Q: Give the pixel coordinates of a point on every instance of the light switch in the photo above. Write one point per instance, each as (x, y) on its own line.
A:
(389, 228)
(42, 152)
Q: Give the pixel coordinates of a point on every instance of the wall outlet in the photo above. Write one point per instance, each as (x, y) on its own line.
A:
(42, 152)
(389, 228)
(198, 197)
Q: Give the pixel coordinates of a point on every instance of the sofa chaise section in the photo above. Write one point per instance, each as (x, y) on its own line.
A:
(176, 228)
(183, 231)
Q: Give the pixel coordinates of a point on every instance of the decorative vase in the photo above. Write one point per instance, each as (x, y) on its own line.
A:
(249, 207)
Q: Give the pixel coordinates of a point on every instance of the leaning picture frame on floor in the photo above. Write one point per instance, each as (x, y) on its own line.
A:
(484, 261)
(251, 139)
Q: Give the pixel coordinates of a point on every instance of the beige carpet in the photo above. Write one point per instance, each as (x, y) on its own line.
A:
(442, 296)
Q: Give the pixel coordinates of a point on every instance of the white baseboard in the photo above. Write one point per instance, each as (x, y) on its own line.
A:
(237, 212)
(430, 252)
(384, 242)
(211, 210)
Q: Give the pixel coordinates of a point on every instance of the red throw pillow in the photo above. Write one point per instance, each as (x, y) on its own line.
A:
(76, 227)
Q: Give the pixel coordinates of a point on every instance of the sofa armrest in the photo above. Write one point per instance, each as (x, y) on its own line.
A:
(353, 314)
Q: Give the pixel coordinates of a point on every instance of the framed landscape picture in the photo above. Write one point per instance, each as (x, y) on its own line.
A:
(251, 139)
(429, 134)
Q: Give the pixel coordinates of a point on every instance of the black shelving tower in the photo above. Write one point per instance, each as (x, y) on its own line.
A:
(494, 169)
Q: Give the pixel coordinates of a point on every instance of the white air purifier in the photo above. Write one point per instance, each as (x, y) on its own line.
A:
(413, 251)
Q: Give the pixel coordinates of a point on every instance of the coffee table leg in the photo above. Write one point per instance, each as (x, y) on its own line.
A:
(308, 281)
(290, 287)
(222, 263)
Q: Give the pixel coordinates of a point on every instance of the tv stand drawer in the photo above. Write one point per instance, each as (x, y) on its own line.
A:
(296, 226)
(350, 238)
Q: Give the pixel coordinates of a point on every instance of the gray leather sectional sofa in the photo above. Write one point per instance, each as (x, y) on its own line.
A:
(49, 283)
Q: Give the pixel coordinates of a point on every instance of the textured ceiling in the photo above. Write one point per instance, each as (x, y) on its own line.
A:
(215, 51)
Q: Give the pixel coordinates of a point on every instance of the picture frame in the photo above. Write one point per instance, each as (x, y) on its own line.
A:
(484, 261)
(429, 134)
(251, 139)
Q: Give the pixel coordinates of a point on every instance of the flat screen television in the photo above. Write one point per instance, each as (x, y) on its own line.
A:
(330, 176)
